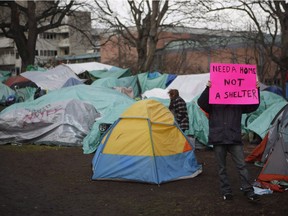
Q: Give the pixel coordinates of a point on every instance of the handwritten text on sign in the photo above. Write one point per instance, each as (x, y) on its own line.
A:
(233, 84)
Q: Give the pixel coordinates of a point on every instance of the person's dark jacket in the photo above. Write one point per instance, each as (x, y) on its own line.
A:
(224, 120)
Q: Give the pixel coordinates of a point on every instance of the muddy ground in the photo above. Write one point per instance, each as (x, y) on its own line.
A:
(42, 181)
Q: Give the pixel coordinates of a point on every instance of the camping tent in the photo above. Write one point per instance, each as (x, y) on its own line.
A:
(273, 153)
(145, 145)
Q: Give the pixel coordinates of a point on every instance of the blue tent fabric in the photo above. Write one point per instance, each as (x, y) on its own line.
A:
(153, 75)
(145, 145)
(137, 164)
(71, 82)
(170, 79)
(274, 89)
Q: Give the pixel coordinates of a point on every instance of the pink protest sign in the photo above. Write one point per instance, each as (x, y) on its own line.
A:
(233, 84)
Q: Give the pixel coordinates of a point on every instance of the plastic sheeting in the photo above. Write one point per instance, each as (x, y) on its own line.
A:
(113, 72)
(108, 102)
(260, 120)
(79, 68)
(5, 91)
(51, 79)
(113, 82)
(189, 86)
(58, 123)
(147, 83)
(4, 75)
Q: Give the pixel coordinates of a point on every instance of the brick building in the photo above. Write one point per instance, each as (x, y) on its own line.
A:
(191, 50)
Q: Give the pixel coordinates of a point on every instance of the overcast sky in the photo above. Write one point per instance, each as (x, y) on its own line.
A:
(237, 21)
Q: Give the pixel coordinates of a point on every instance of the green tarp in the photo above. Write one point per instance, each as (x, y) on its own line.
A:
(4, 75)
(117, 73)
(147, 83)
(111, 82)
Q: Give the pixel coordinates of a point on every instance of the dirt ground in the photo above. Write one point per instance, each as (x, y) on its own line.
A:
(42, 180)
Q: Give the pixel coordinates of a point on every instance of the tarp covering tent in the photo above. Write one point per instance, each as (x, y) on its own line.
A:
(51, 79)
(273, 153)
(198, 122)
(260, 121)
(4, 75)
(109, 103)
(71, 82)
(112, 82)
(145, 145)
(58, 123)
(275, 89)
(79, 68)
(113, 72)
(35, 68)
(5, 92)
(148, 82)
(189, 86)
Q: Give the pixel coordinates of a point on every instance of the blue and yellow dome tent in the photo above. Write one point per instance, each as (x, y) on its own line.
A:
(145, 145)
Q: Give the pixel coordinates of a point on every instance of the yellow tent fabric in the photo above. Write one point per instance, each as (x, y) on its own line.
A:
(150, 109)
(146, 128)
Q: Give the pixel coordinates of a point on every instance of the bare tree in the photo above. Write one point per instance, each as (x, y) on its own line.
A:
(149, 18)
(23, 21)
(269, 27)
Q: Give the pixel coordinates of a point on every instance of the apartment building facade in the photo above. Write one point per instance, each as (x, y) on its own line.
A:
(53, 46)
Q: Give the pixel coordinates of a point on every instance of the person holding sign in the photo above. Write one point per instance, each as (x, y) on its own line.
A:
(178, 107)
(225, 129)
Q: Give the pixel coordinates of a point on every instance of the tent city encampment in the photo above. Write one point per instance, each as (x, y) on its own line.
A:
(71, 111)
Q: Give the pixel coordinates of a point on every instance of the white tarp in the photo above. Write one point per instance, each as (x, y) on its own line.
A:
(89, 66)
(60, 123)
(51, 79)
(189, 86)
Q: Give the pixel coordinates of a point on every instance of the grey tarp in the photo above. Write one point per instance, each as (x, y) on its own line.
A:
(51, 79)
(58, 123)
(108, 102)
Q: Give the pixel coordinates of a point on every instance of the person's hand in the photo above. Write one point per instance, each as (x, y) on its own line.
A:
(257, 84)
(208, 84)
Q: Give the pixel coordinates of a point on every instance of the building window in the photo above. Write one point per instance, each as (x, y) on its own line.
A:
(47, 52)
(49, 36)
